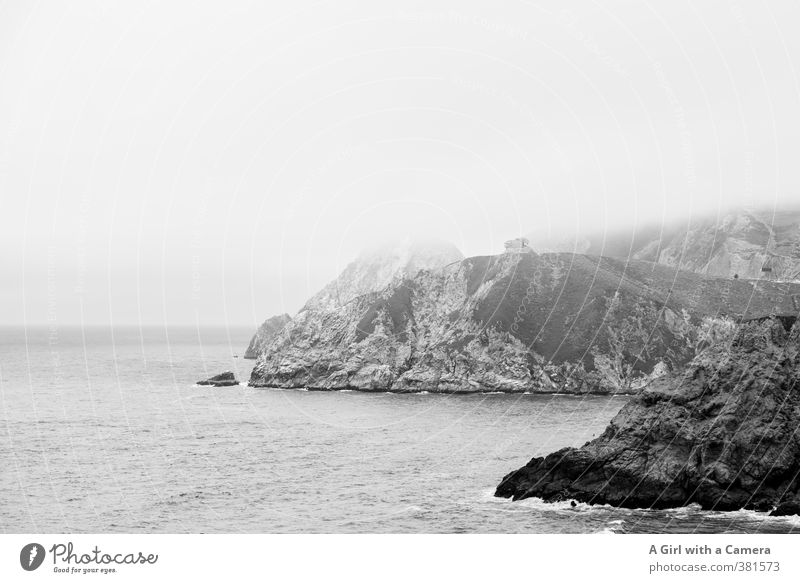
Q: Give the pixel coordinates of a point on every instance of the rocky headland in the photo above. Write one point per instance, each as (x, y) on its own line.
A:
(515, 322)
(374, 269)
(723, 433)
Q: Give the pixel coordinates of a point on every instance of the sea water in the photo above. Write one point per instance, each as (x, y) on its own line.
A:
(105, 430)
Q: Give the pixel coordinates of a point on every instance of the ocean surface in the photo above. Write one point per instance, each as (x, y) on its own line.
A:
(105, 430)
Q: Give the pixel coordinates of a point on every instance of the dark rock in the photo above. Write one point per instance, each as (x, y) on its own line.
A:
(225, 379)
(723, 435)
(789, 508)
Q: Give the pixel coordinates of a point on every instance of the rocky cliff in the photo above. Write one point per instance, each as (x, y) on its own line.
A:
(380, 265)
(750, 244)
(515, 322)
(265, 333)
(374, 269)
(723, 433)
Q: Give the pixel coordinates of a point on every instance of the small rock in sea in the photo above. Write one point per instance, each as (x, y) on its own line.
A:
(225, 379)
(790, 508)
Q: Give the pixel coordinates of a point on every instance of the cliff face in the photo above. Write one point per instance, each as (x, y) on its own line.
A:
(722, 434)
(379, 266)
(740, 242)
(373, 270)
(515, 322)
(265, 333)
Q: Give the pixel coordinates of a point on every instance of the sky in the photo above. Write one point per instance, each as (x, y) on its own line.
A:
(217, 163)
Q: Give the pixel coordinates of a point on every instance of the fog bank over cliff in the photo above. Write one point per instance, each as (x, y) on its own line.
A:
(206, 163)
(748, 242)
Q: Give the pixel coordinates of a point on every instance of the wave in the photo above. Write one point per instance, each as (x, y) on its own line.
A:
(690, 512)
(753, 515)
(539, 504)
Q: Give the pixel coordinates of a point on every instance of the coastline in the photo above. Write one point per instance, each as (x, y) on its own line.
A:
(445, 391)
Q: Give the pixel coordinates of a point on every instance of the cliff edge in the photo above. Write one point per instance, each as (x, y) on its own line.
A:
(516, 322)
(722, 434)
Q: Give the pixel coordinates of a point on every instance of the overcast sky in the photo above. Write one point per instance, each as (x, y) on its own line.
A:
(197, 163)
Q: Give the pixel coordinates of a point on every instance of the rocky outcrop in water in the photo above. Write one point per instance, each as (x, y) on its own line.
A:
(517, 322)
(225, 379)
(265, 333)
(723, 434)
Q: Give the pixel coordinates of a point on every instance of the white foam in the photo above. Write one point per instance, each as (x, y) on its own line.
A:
(756, 516)
(541, 505)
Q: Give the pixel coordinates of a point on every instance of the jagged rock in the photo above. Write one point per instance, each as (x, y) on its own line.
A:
(374, 269)
(265, 333)
(380, 265)
(225, 379)
(722, 434)
(515, 322)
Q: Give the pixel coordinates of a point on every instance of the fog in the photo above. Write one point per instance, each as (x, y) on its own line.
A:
(203, 164)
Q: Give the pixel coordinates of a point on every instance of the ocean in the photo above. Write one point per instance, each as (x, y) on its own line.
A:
(105, 430)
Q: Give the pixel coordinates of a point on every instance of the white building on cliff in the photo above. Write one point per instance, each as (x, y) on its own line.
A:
(518, 245)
